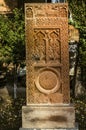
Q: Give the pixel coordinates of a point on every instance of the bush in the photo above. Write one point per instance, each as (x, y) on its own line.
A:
(10, 114)
(80, 110)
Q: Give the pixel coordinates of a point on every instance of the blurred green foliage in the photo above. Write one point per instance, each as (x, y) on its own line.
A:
(78, 10)
(80, 110)
(12, 37)
(10, 114)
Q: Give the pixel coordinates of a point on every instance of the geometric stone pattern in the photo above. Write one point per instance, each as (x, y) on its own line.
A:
(47, 53)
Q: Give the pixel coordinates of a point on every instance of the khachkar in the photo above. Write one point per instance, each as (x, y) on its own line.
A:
(48, 94)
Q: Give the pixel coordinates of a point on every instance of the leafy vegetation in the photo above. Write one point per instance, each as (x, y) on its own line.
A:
(80, 110)
(12, 40)
(11, 113)
(12, 43)
(78, 10)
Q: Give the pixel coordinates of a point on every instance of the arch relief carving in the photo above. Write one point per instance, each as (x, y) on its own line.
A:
(46, 45)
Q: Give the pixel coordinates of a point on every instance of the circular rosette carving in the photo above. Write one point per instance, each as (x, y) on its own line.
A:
(48, 80)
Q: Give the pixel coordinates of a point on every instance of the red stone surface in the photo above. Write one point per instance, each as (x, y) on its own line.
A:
(47, 56)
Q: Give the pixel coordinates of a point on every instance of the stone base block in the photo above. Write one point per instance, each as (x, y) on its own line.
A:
(76, 128)
(49, 129)
(48, 117)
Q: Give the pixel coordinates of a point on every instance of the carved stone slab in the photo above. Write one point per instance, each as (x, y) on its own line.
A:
(47, 53)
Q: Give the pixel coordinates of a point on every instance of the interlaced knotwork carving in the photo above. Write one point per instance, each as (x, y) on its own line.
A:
(54, 47)
(46, 45)
(63, 12)
(39, 46)
(29, 12)
(47, 53)
(43, 10)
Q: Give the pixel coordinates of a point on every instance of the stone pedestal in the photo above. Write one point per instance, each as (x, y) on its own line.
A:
(47, 74)
(48, 116)
(76, 128)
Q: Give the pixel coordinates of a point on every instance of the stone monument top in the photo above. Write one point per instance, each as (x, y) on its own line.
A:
(47, 61)
(47, 53)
